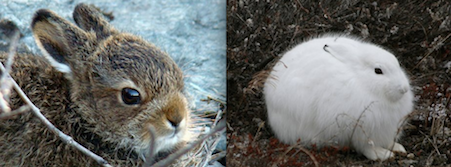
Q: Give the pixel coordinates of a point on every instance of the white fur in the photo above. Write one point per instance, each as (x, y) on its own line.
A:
(332, 96)
(61, 67)
(162, 143)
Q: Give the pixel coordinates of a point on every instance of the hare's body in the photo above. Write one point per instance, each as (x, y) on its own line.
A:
(110, 91)
(31, 140)
(326, 92)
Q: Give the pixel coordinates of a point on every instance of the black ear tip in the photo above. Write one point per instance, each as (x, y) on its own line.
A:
(8, 27)
(40, 15)
(79, 10)
(80, 6)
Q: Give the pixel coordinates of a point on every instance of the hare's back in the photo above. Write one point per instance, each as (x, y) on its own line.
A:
(46, 87)
(306, 70)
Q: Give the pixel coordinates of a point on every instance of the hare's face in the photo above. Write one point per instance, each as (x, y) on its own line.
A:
(375, 68)
(128, 91)
(138, 87)
(383, 74)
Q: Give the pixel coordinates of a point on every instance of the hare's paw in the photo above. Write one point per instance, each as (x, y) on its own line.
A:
(399, 148)
(377, 153)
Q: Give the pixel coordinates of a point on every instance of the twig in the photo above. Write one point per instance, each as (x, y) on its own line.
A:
(257, 134)
(434, 144)
(18, 111)
(310, 155)
(230, 127)
(402, 122)
(210, 148)
(166, 162)
(217, 119)
(215, 142)
(299, 146)
(67, 139)
(430, 52)
(214, 99)
(150, 156)
(11, 53)
(5, 85)
(217, 156)
(358, 119)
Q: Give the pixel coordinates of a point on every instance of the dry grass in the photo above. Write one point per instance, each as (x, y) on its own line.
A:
(418, 32)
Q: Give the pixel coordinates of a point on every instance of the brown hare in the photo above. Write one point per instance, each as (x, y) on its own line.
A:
(103, 87)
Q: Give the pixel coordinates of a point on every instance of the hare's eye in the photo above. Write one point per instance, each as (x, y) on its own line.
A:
(130, 96)
(378, 71)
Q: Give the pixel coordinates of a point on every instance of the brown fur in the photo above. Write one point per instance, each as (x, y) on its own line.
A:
(87, 103)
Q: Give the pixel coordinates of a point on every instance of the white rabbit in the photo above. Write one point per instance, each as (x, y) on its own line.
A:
(342, 91)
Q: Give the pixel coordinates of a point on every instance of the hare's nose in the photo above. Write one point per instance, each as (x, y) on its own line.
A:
(174, 124)
(175, 121)
(404, 89)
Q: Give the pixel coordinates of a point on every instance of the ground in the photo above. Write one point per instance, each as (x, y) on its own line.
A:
(417, 32)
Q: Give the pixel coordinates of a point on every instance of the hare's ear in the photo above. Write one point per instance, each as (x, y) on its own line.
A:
(342, 51)
(89, 18)
(57, 38)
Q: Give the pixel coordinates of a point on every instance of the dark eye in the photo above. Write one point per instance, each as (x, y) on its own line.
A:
(130, 96)
(378, 71)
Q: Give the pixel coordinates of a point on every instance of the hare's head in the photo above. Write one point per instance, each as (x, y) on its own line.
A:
(121, 85)
(374, 67)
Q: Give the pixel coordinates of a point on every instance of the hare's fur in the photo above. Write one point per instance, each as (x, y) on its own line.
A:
(339, 90)
(77, 85)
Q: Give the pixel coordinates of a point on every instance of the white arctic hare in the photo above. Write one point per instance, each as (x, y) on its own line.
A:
(339, 90)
